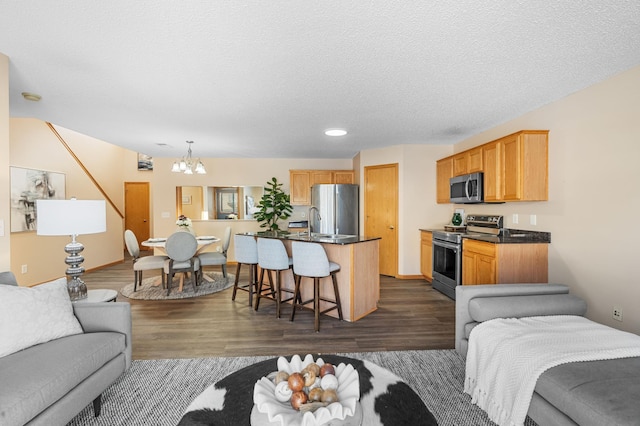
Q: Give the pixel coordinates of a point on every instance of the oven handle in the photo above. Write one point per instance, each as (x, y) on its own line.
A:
(454, 247)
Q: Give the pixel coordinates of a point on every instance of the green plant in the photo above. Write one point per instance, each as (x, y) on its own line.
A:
(274, 205)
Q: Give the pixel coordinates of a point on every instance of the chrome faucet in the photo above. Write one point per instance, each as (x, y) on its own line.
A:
(309, 217)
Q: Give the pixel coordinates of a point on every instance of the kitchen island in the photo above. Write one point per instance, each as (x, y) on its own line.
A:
(359, 276)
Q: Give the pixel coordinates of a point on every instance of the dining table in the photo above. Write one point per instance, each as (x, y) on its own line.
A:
(203, 242)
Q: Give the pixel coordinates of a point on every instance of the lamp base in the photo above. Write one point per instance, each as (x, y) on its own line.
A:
(75, 286)
(77, 289)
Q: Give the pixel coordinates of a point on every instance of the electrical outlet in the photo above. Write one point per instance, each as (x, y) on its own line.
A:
(533, 220)
(514, 218)
(617, 313)
(303, 215)
(24, 269)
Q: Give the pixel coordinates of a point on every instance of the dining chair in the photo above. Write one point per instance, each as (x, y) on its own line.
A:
(246, 251)
(212, 258)
(310, 260)
(141, 263)
(272, 257)
(181, 248)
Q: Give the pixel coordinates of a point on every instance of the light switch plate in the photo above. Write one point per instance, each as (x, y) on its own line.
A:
(165, 215)
(533, 220)
(1, 228)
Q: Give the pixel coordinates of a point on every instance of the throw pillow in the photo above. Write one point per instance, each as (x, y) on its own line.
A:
(29, 316)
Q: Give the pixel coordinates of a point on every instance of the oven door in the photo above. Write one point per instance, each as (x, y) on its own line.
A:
(447, 267)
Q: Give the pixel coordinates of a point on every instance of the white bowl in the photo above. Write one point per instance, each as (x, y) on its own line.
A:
(282, 413)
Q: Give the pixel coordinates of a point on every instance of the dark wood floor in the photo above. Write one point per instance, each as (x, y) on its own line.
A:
(410, 315)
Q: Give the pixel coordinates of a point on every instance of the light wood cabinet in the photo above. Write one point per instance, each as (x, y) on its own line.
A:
(344, 176)
(474, 162)
(444, 172)
(491, 168)
(516, 168)
(525, 166)
(300, 187)
(301, 181)
(469, 161)
(426, 254)
(489, 263)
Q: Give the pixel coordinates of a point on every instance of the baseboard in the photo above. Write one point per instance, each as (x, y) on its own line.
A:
(412, 277)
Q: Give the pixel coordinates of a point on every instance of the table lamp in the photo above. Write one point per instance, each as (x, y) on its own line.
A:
(72, 217)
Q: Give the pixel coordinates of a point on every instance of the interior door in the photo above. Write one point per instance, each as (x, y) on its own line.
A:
(136, 210)
(381, 213)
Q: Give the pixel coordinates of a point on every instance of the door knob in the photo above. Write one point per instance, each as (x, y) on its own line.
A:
(391, 227)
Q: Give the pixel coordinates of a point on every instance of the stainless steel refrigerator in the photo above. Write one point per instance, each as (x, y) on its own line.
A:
(337, 206)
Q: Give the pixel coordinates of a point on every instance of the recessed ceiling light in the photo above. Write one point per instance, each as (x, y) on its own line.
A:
(335, 132)
(31, 96)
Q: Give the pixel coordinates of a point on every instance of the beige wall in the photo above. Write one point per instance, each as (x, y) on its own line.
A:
(5, 239)
(594, 147)
(35, 146)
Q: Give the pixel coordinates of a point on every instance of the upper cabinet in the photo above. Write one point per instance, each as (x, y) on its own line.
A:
(525, 166)
(301, 182)
(469, 161)
(444, 172)
(516, 168)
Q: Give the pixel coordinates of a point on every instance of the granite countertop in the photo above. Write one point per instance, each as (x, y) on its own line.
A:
(515, 236)
(509, 236)
(315, 237)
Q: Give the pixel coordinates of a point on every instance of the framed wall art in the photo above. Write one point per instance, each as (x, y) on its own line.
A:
(27, 186)
(145, 162)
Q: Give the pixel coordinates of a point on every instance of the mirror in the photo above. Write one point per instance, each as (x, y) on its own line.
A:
(218, 202)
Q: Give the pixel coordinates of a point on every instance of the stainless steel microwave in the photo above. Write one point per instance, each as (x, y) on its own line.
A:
(466, 189)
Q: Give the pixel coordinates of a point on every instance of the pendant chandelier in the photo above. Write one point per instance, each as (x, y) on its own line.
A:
(187, 165)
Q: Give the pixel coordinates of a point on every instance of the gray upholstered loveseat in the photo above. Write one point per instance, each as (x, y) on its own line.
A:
(584, 393)
(50, 383)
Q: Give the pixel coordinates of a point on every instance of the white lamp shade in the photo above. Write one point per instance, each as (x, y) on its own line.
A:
(71, 217)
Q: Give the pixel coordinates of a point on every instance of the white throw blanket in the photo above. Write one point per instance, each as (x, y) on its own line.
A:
(507, 355)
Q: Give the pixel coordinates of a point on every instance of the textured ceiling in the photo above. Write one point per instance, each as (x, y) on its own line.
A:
(265, 79)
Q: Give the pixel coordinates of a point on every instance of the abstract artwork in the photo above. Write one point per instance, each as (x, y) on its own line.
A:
(27, 186)
(145, 162)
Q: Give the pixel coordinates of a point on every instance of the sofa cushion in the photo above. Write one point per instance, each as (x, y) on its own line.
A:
(29, 316)
(595, 392)
(488, 308)
(37, 377)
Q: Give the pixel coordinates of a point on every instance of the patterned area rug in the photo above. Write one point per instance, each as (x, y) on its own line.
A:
(158, 392)
(151, 288)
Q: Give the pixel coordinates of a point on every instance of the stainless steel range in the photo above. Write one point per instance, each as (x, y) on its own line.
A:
(447, 251)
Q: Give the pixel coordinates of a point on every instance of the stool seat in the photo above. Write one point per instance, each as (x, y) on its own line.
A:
(272, 257)
(310, 260)
(246, 250)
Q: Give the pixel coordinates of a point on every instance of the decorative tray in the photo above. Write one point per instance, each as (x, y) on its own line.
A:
(271, 408)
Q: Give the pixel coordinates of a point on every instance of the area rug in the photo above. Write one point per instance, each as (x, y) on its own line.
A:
(149, 291)
(158, 392)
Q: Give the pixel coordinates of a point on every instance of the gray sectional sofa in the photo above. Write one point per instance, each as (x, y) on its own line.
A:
(50, 383)
(580, 393)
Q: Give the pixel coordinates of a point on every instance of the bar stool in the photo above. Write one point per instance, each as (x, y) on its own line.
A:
(310, 260)
(246, 250)
(272, 257)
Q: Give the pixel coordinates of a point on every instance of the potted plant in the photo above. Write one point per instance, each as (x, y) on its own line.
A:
(274, 205)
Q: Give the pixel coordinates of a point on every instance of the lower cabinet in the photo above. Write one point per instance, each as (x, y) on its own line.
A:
(426, 255)
(489, 263)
